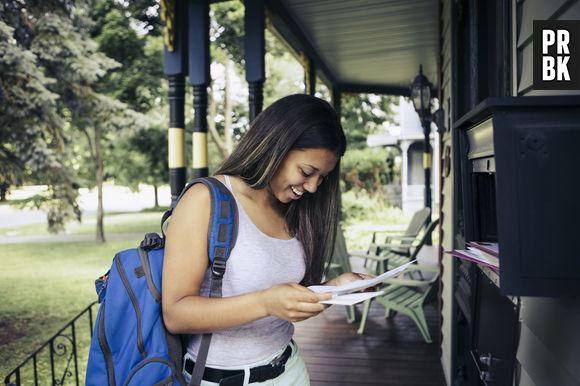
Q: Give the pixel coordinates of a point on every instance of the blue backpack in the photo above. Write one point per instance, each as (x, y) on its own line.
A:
(130, 344)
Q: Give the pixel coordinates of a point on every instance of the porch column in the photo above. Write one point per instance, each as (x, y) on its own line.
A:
(199, 77)
(405, 175)
(254, 22)
(336, 100)
(310, 77)
(176, 136)
(427, 161)
(175, 68)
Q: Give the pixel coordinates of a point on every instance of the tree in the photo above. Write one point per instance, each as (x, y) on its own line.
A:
(139, 156)
(54, 84)
(67, 52)
(32, 136)
(142, 158)
(365, 169)
(137, 80)
(226, 111)
(364, 114)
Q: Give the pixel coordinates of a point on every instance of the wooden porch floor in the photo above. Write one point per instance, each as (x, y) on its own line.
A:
(391, 352)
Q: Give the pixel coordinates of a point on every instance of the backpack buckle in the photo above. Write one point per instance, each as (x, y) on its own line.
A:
(218, 267)
(151, 241)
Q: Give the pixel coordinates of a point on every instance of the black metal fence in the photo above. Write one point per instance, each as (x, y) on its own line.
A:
(62, 359)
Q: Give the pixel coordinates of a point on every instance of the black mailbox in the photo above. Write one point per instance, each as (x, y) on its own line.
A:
(520, 171)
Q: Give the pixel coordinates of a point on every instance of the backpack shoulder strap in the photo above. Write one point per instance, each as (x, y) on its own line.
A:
(224, 211)
(221, 239)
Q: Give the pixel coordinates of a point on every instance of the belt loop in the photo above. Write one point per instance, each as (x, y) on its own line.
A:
(246, 375)
(187, 357)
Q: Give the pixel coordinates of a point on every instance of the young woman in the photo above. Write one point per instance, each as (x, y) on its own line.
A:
(284, 175)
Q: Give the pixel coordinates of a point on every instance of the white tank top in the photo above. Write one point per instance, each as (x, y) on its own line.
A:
(257, 262)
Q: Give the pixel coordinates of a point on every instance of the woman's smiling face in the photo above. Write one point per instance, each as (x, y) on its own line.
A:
(301, 172)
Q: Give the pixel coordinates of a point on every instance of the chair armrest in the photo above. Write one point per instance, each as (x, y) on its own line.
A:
(357, 252)
(403, 237)
(392, 231)
(406, 282)
(365, 255)
(423, 267)
(394, 245)
(389, 233)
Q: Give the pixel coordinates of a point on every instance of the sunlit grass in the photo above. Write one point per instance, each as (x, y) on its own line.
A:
(147, 221)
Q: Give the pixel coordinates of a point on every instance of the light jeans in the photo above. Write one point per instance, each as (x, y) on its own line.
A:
(295, 373)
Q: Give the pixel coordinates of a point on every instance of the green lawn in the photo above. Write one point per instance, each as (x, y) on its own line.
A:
(114, 223)
(44, 285)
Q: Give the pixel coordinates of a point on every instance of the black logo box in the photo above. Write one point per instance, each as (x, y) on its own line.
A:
(573, 27)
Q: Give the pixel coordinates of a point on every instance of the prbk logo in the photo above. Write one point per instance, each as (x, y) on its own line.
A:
(557, 55)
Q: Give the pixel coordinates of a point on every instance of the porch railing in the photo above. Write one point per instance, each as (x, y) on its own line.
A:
(58, 359)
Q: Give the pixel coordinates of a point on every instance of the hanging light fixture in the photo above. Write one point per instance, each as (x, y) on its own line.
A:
(421, 97)
(421, 94)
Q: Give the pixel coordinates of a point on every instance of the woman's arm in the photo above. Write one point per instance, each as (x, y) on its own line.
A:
(184, 267)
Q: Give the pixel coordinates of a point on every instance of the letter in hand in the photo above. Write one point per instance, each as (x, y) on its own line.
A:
(293, 302)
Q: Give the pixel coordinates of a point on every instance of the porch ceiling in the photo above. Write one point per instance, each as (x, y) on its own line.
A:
(364, 45)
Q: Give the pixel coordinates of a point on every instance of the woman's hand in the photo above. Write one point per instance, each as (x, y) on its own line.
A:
(293, 302)
(348, 277)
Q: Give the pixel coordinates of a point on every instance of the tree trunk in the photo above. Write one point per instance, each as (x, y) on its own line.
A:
(155, 190)
(212, 112)
(3, 191)
(99, 176)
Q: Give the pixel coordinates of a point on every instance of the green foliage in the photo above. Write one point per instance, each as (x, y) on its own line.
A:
(118, 40)
(227, 30)
(360, 207)
(70, 56)
(51, 86)
(32, 140)
(145, 13)
(284, 75)
(141, 158)
(364, 114)
(363, 213)
(74, 77)
(365, 169)
(356, 205)
(137, 81)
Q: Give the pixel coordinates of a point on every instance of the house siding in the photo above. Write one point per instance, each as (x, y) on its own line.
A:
(549, 341)
(549, 336)
(447, 198)
(525, 13)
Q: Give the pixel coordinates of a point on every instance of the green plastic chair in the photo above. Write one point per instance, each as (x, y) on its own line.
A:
(340, 264)
(408, 294)
(382, 257)
(408, 297)
(401, 242)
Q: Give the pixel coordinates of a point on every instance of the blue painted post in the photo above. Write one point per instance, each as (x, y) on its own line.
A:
(255, 51)
(175, 68)
(199, 77)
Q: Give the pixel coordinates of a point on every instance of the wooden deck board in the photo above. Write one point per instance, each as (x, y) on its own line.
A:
(391, 352)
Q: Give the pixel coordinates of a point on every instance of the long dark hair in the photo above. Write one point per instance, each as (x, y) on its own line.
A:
(296, 122)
